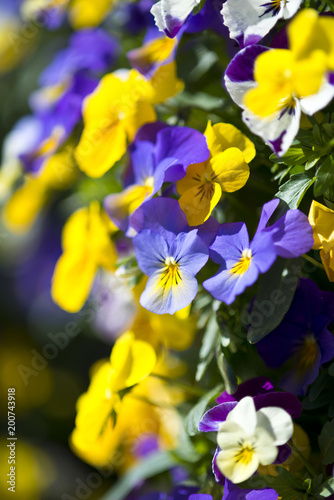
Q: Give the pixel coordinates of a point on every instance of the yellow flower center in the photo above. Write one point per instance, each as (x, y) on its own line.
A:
(244, 455)
(307, 352)
(170, 275)
(243, 264)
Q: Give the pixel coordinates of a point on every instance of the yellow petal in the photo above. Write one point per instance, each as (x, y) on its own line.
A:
(60, 171)
(154, 51)
(222, 136)
(165, 83)
(72, 280)
(85, 13)
(100, 147)
(125, 203)
(194, 173)
(197, 203)
(305, 34)
(231, 169)
(321, 219)
(131, 361)
(309, 74)
(327, 259)
(22, 209)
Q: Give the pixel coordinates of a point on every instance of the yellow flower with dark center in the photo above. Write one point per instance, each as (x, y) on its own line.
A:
(225, 170)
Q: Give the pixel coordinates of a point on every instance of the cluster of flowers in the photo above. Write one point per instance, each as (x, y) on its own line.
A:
(158, 221)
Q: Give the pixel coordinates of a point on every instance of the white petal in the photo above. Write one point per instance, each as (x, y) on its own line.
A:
(276, 422)
(247, 21)
(244, 414)
(277, 131)
(169, 15)
(233, 470)
(265, 447)
(229, 434)
(237, 90)
(313, 103)
(290, 8)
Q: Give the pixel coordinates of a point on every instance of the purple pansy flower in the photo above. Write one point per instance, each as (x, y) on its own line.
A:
(249, 20)
(263, 394)
(233, 492)
(279, 129)
(159, 153)
(302, 337)
(242, 261)
(171, 267)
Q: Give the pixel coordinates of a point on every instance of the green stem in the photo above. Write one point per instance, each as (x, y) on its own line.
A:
(306, 463)
(315, 262)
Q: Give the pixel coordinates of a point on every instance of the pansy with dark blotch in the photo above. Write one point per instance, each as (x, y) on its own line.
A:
(302, 338)
(242, 261)
(160, 153)
(262, 391)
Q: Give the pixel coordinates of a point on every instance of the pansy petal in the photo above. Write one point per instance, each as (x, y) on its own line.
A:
(222, 136)
(231, 240)
(151, 251)
(170, 15)
(197, 202)
(263, 251)
(265, 447)
(190, 251)
(244, 414)
(277, 423)
(234, 470)
(230, 169)
(212, 419)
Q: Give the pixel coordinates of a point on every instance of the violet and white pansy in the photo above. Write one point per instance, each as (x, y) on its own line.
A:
(250, 20)
(273, 86)
(249, 438)
(170, 15)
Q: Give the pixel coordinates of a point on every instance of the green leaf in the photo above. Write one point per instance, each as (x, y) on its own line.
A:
(294, 189)
(331, 370)
(294, 156)
(324, 176)
(326, 489)
(326, 443)
(229, 377)
(285, 484)
(148, 467)
(194, 416)
(208, 347)
(276, 290)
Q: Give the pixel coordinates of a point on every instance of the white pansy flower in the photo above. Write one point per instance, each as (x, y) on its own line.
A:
(249, 438)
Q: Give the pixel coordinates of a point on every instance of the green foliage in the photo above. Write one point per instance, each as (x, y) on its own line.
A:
(191, 421)
(326, 443)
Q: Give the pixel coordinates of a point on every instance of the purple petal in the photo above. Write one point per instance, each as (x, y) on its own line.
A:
(211, 420)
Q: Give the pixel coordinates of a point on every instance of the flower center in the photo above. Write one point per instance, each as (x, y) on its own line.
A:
(243, 264)
(307, 352)
(244, 455)
(170, 275)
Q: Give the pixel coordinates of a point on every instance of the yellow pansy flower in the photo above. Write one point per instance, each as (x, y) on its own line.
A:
(226, 170)
(108, 428)
(86, 246)
(23, 207)
(298, 72)
(321, 219)
(122, 103)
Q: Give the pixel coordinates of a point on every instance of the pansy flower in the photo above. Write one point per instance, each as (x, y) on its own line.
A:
(225, 170)
(170, 253)
(120, 105)
(302, 338)
(256, 395)
(249, 20)
(86, 246)
(322, 221)
(170, 15)
(171, 267)
(273, 86)
(242, 261)
(159, 153)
